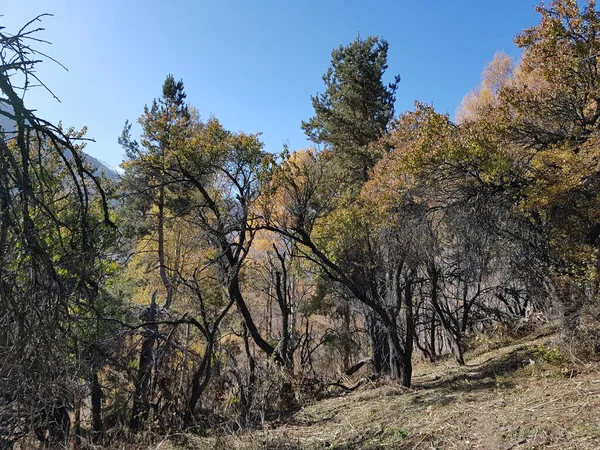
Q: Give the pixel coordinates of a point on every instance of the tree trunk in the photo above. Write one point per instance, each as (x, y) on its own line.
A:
(401, 355)
(401, 347)
(141, 404)
(452, 329)
(236, 295)
(162, 265)
(346, 348)
(282, 300)
(76, 425)
(380, 348)
(400, 362)
(203, 373)
(457, 349)
(200, 380)
(432, 352)
(467, 305)
(96, 400)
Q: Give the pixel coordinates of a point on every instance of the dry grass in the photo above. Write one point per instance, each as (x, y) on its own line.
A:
(521, 396)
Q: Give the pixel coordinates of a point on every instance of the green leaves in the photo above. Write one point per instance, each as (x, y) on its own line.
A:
(356, 107)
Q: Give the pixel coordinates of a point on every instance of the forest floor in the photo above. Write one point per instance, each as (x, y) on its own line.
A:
(522, 395)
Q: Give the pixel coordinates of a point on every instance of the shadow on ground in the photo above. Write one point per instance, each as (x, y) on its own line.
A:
(483, 376)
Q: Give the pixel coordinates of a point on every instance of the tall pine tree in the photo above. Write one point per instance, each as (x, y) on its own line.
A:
(356, 107)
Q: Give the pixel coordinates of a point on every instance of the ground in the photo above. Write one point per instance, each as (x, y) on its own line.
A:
(524, 395)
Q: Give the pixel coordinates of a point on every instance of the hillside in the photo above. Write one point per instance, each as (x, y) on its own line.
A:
(103, 168)
(523, 395)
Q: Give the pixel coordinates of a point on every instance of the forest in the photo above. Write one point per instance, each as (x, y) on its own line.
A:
(217, 285)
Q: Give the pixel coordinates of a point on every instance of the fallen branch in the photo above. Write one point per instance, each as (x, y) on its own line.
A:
(356, 367)
(356, 385)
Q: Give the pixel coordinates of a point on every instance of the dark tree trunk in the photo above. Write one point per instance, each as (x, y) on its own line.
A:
(452, 328)
(380, 348)
(346, 348)
(400, 360)
(141, 404)
(76, 425)
(162, 265)
(401, 347)
(236, 295)
(432, 352)
(247, 392)
(55, 424)
(401, 344)
(406, 377)
(96, 400)
(457, 350)
(203, 373)
(200, 380)
(282, 301)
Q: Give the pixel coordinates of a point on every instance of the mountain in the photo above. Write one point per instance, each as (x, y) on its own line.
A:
(7, 126)
(103, 168)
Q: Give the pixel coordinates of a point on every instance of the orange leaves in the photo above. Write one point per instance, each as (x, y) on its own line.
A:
(481, 101)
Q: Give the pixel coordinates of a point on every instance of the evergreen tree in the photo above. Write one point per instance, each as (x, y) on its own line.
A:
(165, 126)
(350, 118)
(356, 107)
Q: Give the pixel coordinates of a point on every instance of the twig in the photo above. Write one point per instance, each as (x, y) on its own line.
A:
(510, 447)
(161, 443)
(352, 426)
(597, 391)
(563, 408)
(452, 443)
(533, 408)
(418, 443)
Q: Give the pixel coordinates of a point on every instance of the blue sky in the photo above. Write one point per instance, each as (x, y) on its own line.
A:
(253, 64)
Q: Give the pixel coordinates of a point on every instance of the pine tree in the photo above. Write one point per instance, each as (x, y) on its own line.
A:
(165, 126)
(356, 107)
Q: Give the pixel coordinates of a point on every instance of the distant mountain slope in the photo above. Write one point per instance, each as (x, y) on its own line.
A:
(8, 126)
(103, 168)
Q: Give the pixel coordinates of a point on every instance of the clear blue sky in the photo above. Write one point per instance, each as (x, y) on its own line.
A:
(253, 64)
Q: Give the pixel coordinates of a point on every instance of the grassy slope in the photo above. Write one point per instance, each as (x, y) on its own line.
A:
(499, 400)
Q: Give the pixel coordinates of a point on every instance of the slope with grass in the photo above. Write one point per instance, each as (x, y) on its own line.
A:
(523, 395)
